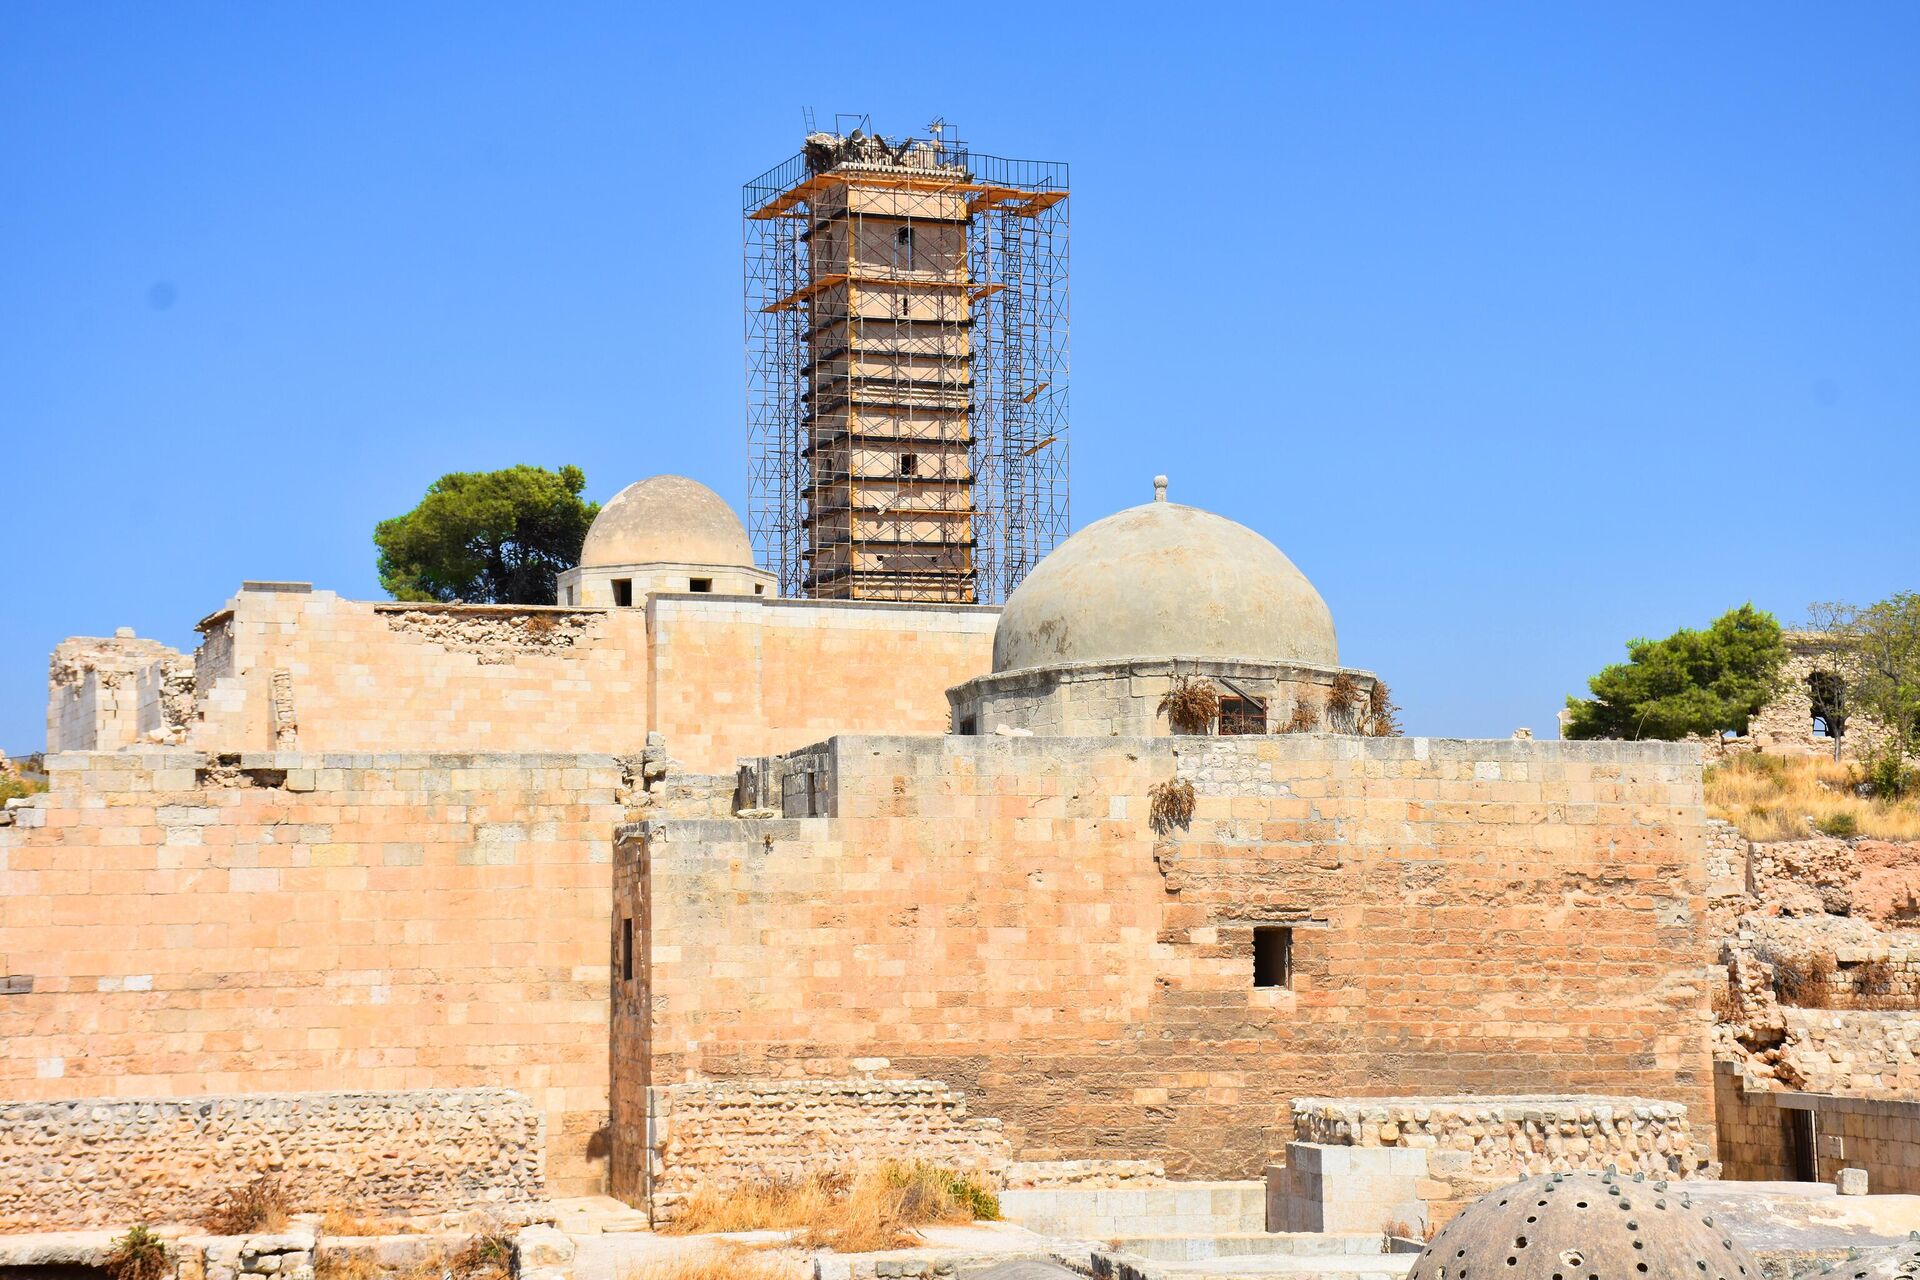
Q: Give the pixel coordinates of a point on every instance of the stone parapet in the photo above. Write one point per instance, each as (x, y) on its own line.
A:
(109, 1162)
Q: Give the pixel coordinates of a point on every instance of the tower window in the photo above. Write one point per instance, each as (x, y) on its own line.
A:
(699, 584)
(1272, 956)
(623, 592)
(909, 464)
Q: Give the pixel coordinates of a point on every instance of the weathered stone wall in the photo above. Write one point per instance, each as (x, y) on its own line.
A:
(114, 1162)
(178, 925)
(723, 1134)
(720, 678)
(1514, 1137)
(1785, 725)
(105, 693)
(1103, 700)
(1758, 1140)
(998, 914)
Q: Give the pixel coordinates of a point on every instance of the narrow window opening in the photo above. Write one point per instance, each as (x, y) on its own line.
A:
(699, 584)
(626, 949)
(909, 464)
(1272, 956)
(1242, 715)
(759, 589)
(623, 592)
(969, 726)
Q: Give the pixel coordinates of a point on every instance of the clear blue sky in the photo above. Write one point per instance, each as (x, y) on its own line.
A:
(1523, 329)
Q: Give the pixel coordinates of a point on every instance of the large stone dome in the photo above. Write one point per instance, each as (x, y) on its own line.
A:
(1164, 580)
(1576, 1226)
(666, 520)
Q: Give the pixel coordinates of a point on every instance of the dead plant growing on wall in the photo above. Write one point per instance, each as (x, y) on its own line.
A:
(261, 1205)
(1805, 983)
(1303, 720)
(1343, 703)
(1170, 804)
(1381, 719)
(139, 1255)
(487, 1255)
(1191, 704)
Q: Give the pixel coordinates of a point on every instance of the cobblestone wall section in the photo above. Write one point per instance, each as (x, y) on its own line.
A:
(80, 1163)
(721, 1134)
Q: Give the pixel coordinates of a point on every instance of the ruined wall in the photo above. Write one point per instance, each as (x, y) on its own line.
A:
(109, 692)
(728, 1133)
(1784, 726)
(998, 914)
(179, 926)
(1758, 1138)
(735, 678)
(719, 677)
(74, 1164)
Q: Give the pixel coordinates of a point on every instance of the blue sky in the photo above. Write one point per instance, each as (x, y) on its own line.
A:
(1523, 329)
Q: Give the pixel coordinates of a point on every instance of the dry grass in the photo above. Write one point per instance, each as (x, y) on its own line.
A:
(722, 1260)
(486, 1256)
(1190, 705)
(1775, 797)
(259, 1206)
(338, 1220)
(1806, 983)
(1303, 720)
(1170, 804)
(876, 1208)
(1343, 700)
(1382, 718)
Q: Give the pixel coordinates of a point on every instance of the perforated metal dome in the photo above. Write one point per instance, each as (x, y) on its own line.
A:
(1586, 1226)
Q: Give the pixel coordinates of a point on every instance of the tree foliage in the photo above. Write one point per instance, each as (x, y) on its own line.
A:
(496, 537)
(1709, 681)
(1878, 648)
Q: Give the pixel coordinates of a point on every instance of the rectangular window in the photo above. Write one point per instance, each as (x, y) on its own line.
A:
(623, 592)
(1242, 715)
(909, 464)
(969, 726)
(699, 584)
(626, 950)
(1272, 956)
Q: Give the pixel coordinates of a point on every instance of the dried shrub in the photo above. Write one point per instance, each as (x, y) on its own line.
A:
(1382, 717)
(876, 1208)
(338, 1265)
(338, 1220)
(1877, 984)
(539, 624)
(1190, 704)
(139, 1255)
(1725, 1008)
(487, 1255)
(721, 1260)
(1806, 983)
(259, 1206)
(1840, 825)
(1170, 804)
(1303, 720)
(1343, 701)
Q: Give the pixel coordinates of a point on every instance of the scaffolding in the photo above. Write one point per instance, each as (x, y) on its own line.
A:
(906, 324)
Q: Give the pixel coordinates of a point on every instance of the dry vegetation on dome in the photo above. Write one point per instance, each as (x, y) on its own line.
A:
(1190, 704)
(1794, 797)
(873, 1209)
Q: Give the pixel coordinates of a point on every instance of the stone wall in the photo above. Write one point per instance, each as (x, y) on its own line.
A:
(718, 677)
(105, 693)
(999, 914)
(1104, 699)
(1762, 1133)
(721, 1134)
(112, 1163)
(1785, 725)
(176, 925)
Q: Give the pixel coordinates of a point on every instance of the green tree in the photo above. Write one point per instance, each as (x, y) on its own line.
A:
(492, 537)
(1708, 681)
(1878, 651)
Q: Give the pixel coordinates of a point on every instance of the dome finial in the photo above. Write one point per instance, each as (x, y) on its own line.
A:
(1159, 488)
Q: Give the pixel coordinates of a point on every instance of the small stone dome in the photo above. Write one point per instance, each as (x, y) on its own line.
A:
(1576, 1226)
(666, 520)
(1163, 580)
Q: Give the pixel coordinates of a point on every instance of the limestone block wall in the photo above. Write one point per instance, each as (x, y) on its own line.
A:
(112, 1163)
(1000, 915)
(310, 671)
(721, 1134)
(109, 692)
(176, 925)
(736, 678)
(1762, 1132)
